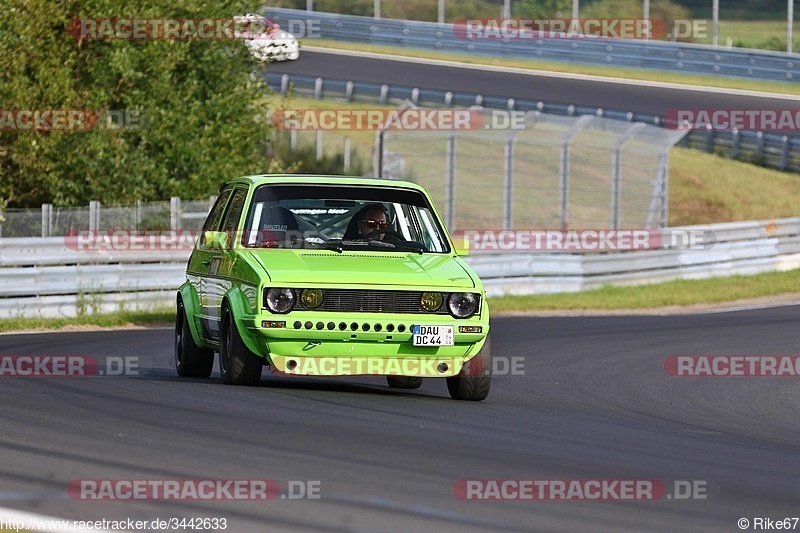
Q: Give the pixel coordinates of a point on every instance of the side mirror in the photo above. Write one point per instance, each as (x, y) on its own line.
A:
(461, 246)
(216, 240)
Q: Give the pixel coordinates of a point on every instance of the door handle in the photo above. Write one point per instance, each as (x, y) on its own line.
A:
(207, 262)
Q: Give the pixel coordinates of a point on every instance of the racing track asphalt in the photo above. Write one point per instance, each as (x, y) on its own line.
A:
(620, 96)
(594, 402)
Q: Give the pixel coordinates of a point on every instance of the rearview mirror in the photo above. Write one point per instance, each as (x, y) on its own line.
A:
(216, 240)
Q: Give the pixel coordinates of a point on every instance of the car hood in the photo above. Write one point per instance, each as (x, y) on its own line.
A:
(286, 267)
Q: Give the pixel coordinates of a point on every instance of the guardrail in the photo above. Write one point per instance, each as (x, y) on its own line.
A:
(771, 150)
(45, 277)
(646, 55)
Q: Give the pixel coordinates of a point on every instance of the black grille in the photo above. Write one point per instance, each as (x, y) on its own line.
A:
(364, 301)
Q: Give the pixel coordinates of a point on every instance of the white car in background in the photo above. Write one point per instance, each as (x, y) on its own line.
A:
(273, 44)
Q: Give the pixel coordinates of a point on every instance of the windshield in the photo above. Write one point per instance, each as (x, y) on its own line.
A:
(343, 217)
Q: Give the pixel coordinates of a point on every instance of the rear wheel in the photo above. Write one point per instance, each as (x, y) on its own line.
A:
(237, 364)
(404, 382)
(191, 361)
(475, 379)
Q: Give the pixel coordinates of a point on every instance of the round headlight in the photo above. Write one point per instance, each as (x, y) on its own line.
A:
(462, 304)
(311, 298)
(280, 300)
(431, 301)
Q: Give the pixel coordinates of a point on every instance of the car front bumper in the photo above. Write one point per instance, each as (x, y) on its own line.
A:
(344, 344)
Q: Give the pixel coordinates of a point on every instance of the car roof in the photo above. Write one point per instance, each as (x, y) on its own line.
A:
(308, 179)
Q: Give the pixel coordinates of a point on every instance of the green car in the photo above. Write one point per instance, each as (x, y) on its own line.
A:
(332, 276)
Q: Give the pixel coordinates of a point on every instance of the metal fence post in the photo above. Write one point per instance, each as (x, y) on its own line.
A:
(94, 215)
(292, 141)
(659, 196)
(710, 140)
(735, 142)
(450, 183)
(318, 89)
(760, 145)
(347, 148)
(616, 178)
(174, 213)
(664, 166)
(377, 155)
(563, 170)
(508, 182)
(784, 152)
(319, 145)
(284, 84)
(137, 217)
(47, 220)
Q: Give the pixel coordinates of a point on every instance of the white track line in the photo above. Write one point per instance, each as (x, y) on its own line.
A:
(551, 74)
(37, 522)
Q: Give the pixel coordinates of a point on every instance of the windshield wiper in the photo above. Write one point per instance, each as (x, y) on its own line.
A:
(412, 246)
(332, 244)
(339, 244)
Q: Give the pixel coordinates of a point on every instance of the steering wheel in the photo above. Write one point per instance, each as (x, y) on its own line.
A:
(386, 232)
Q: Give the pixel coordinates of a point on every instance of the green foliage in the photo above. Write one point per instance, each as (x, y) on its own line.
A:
(777, 44)
(428, 9)
(663, 10)
(202, 105)
(304, 159)
(541, 9)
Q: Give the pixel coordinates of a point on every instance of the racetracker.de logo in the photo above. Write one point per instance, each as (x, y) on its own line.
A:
(413, 119)
(733, 119)
(68, 119)
(585, 240)
(193, 489)
(580, 489)
(559, 28)
(733, 365)
(133, 241)
(67, 366)
(139, 29)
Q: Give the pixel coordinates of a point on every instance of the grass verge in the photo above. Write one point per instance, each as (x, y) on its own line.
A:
(672, 293)
(157, 317)
(569, 68)
(707, 188)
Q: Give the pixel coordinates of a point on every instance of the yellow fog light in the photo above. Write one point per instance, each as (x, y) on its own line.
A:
(311, 298)
(431, 301)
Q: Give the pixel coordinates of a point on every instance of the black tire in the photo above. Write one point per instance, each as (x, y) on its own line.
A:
(237, 364)
(404, 382)
(191, 361)
(475, 378)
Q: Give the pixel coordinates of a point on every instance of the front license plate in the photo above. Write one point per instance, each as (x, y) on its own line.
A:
(433, 335)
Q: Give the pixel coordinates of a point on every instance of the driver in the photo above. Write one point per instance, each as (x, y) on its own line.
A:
(371, 218)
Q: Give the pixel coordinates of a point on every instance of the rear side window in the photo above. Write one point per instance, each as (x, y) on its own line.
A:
(212, 221)
(234, 212)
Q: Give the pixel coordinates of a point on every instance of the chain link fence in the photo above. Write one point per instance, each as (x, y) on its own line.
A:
(50, 221)
(555, 172)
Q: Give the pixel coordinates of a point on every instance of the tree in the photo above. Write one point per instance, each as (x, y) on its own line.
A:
(201, 103)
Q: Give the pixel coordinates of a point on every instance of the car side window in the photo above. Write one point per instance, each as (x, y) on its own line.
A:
(234, 213)
(214, 217)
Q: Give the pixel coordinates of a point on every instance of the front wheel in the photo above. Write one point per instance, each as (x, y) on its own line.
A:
(475, 378)
(191, 361)
(237, 364)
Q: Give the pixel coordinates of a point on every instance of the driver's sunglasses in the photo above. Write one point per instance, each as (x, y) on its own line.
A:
(373, 224)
